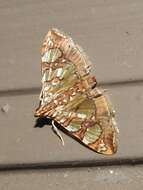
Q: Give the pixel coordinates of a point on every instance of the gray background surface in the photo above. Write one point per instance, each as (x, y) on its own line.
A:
(111, 33)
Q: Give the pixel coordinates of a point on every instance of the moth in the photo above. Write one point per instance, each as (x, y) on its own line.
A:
(70, 96)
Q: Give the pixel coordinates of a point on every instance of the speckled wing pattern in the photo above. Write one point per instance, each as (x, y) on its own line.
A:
(70, 97)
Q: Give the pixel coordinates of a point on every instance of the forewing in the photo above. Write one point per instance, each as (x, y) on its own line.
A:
(63, 67)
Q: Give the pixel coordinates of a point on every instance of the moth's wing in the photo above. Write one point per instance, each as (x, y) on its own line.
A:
(93, 123)
(63, 66)
(68, 98)
(102, 136)
(90, 120)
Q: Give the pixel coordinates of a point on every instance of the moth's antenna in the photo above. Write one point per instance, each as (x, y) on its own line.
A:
(55, 129)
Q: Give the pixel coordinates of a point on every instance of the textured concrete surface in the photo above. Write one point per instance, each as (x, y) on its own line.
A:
(119, 178)
(111, 33)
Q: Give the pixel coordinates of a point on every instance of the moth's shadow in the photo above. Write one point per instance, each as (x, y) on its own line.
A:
(42, 121)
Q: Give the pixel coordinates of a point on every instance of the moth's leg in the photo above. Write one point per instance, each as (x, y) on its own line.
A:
(48, 117)
(55, 129)
(100, 91)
